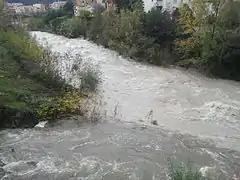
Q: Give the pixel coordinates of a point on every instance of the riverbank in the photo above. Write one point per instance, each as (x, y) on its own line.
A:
(32, 88)
(177, 100)
(156, 37)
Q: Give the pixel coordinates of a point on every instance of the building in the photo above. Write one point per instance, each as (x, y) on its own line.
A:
(84, 5)
(165, 4)
(19, 8)
(39, 7)
(57, 5)
(14, 4)
(89, 5)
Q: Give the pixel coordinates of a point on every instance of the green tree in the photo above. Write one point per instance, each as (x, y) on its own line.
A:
(122, 4)
(4, 15)
(69, 8)
(159, 25)
(126, 31)
(137, 5)
(130, 4)
(187, 45)
(230, 14)
(207, 34)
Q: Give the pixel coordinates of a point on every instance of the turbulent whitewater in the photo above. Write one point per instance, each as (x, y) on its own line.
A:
(177, 100)
(180, 103)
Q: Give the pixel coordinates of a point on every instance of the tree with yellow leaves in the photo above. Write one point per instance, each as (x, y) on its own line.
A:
(202, 37)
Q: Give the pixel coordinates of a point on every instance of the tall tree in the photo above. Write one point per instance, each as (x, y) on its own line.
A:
(4, 15)
(69, 7)
(130, 4)
(159, 25)
(136, 5)
(122, 4)
(230, 14)
(208, 35)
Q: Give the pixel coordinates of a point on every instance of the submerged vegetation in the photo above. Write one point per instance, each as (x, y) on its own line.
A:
(183, 172)
(201, 34)
(31, 87)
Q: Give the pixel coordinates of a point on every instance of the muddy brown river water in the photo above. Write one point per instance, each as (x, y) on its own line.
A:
(198, 119)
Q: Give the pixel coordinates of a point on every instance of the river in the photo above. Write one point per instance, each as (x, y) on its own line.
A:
(195, 117)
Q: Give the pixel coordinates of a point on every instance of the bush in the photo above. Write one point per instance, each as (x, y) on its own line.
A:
(183, 172)
(159, 25)
(73, 28)
(132, 5)
(34, 23)
(121, 31)
(31, 84)
(89, 79)
(201, 39)
(205, 42)
(53, 108)
(46, 72)
(19, 45)
(100, 27)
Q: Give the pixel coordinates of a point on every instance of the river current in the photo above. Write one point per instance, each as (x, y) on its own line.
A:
(195, 118)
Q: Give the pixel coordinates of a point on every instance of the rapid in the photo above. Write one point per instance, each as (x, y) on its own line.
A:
(196, 118)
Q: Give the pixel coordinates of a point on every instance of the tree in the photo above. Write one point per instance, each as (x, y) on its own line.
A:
(69, 8)
(98, 8)
(230, 14)
(187, 44)
(159, 25)
(122, 4)
(209, 36)
(4, 19)
(130, 5)
(136, 5)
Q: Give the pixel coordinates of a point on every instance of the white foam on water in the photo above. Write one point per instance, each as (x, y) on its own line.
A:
(178, 100)
(41, 124)
(218, 111)
(206, 170)
(19, 168)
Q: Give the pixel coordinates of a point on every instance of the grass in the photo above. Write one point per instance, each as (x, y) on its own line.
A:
(37, 87)
(17, 92)
(31, 86)
(184, 172)
(14, 85)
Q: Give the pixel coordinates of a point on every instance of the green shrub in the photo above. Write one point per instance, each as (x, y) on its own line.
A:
(19, 45)
(201, 38)
(53, 108)
(74, 27)
(159, 25)
(205, 37)
(183, 172)
(55, 24)
(132, 5)
(34, 23)
(31, 86)
(101, 27)
(90, 78)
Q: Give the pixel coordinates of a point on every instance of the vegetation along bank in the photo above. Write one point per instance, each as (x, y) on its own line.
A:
(31, 88)
(204, 37)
